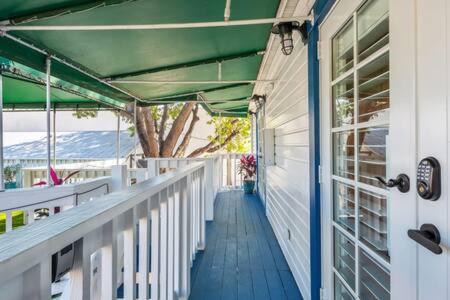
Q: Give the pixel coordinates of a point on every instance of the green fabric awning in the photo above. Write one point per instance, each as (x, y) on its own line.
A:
(24, 88)
(146, 55)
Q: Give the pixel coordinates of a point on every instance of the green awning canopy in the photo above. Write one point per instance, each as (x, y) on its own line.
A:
(24, 88)
(158, 56)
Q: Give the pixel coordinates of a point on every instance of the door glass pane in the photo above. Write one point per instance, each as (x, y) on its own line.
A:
(343, 154)
(343, 102)
(344, 258)
(372, 154)
(344, 206)
(373, 27)
(373, 81)
(373, 222)
(340, 291)
(374, 279)
(343, 50)
(360, 126)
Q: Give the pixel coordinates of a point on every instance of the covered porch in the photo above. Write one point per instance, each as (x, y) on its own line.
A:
(242, 258)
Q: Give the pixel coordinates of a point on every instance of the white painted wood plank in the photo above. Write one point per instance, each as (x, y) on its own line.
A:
(170, 242)
(109, 261)
(144, 252)
(129, 247)
(163, 245)
(155, 250)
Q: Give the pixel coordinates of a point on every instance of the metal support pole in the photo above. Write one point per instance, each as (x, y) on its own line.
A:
(251, 134)
(54, 137)
(135, 133)
(2, 184)
(118, 139)
(48, 110)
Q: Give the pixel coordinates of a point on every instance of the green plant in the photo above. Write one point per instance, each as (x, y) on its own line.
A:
(10, 173)
(247, 166)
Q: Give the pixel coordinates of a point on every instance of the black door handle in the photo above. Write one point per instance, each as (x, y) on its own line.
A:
(401, 182)
(428, 236)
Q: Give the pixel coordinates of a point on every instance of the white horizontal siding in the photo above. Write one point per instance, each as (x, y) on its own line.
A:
(287, 182)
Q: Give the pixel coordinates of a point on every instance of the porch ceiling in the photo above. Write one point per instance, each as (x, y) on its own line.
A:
(146, 55)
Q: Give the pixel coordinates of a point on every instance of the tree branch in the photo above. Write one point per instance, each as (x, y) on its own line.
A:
(215, 144)
(176, 130)
(187, 137)
(151, 133)
(162, 126)
(141, 131)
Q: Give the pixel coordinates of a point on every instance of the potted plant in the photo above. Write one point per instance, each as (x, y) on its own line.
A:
(9, 175)
(247, 167)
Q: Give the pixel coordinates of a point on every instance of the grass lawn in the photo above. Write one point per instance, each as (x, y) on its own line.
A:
(17, 220)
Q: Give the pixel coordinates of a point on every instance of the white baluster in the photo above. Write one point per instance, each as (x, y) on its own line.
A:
(208, 177)
(170, 242)
(119, 177)
(129, 255)
(152, 165)
(37, 281)
(202, 204)
(163, 245)
(8, 221)
(144, 242)
(185, 264)
(177, 239)
(109, 261)
(155, 252)
(80, 275)
(30, 216)
(235, 171)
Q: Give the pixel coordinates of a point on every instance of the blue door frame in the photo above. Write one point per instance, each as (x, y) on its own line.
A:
(321, 9)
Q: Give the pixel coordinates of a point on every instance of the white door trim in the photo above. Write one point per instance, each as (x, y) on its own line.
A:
(337, 17)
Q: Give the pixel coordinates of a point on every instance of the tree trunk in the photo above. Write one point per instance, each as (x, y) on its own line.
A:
(176, 130)
(187, 137)
(151, 132)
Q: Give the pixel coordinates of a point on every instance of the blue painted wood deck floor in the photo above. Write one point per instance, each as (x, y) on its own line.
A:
(242, 259)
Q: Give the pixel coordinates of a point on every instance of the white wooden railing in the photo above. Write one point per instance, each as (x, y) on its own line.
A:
(55, 199)
(163, 216)
(225, 168)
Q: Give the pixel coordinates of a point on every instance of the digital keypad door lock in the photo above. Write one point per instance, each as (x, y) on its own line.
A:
(429, 179)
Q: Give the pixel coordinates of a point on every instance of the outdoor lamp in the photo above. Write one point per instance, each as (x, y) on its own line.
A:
(255, 104)
(285, 29)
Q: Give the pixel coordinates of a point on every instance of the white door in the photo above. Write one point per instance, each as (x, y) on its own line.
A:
(384, 98)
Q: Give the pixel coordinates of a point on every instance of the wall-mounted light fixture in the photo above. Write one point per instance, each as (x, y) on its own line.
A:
(285, 29)
(256, 103)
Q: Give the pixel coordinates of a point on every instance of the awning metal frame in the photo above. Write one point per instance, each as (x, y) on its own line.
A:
(214, 60)
(152, 26)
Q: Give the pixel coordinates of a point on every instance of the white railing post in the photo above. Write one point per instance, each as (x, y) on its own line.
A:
(118, 177)
(202, 209)
(29, 215)
(220, 171)
(208, 186)
(155, 245)
(185, 198)
(129, 255)
(8, 221)
(80, 275)
(152, 167)
(144, 242)
(177, 239)
(109, 261)
(163, 244)
(170, 242)
(37, 281)
(141, 175)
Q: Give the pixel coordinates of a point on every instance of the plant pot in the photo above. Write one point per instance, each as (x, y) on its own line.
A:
(11, 185)
(249, 186)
